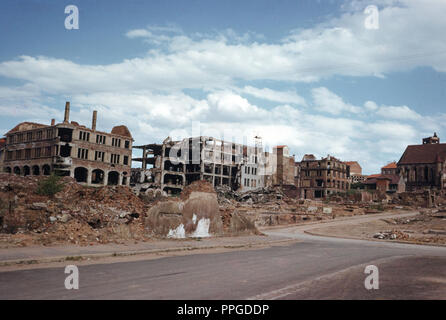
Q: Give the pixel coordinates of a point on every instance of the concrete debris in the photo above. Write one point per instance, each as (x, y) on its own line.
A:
(196, 213)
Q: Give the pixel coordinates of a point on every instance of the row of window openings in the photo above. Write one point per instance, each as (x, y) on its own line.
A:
(30, 136)
(100, 156)
(250, 183)
(249, 171)
(116, 142)
(27, 153)
(319, 174)
(83, 135)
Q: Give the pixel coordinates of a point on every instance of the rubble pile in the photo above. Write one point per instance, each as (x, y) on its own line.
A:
(256, 196)
(429, 226)
(195, 214)
(392, 235)
(77, 214)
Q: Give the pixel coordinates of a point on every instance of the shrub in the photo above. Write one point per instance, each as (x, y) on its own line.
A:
(50, 186)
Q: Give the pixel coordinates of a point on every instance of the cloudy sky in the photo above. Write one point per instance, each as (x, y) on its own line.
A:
(305, 73)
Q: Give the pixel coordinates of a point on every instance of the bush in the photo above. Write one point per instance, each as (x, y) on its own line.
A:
(50, 186)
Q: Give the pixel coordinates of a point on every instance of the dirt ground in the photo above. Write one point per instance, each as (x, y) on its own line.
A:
(428, 227)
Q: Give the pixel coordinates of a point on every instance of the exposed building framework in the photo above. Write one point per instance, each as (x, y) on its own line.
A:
(176, 164)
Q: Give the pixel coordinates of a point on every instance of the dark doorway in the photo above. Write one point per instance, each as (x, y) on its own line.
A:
(80, 174)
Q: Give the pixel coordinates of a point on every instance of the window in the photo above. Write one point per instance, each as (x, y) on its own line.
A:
(115, 158)
(116, 142)
(20, 137)
(85, 136)
(37, 152)
(50, 134)
(27, 154)
(39, 135)
(18, 154)
(82, 153)
(99, 156)
(9, 155)
(48, 151)
(29, 136)
(126, 160)
(127, 144)
(100, 139)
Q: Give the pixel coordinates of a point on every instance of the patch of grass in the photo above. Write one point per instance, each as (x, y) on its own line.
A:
(50, 186)
(73, 258)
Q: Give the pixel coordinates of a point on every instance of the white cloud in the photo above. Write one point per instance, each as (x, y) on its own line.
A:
(398, 112)
(329, 102)
(276, 96)
(147, 93)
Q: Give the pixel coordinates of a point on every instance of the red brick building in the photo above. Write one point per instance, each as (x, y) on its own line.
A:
(424, 166)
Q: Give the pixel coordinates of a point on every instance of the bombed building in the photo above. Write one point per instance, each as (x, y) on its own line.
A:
(175, 164)
(69, 149)
(424, 166)
(322, 177)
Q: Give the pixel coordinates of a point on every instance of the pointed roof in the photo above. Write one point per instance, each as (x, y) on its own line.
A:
(391, 165)
(424, 154)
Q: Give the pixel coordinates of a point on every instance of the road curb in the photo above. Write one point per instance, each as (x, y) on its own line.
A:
(95, 256)
(375, 240)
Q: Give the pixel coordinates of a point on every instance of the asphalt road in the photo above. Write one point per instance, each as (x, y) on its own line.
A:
(314, 268)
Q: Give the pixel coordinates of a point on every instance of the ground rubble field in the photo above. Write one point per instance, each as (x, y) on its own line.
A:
(427, 227)
(82, 215)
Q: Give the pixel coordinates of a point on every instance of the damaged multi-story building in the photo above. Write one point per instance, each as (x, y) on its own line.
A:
(2, 151)
(176, 164)
(323, 177)
(424, 166)
(356, 175)
(90, 156)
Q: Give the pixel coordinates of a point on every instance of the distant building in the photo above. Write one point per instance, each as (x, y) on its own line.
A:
(386, 183)
(320, 178)
(356, 175)
(424, 166)
(2, 151)
(69, 149)
(391, 168)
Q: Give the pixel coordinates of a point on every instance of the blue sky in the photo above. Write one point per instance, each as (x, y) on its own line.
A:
(303, 73)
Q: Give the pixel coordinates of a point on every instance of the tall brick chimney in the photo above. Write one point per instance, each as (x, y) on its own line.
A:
(93, 121)
(66, 118)
(53, 122)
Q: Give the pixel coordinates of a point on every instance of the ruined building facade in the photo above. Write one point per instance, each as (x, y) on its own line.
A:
(424, 166)
(176, 164)
(91, 157)
(356, 175)
(323, 177)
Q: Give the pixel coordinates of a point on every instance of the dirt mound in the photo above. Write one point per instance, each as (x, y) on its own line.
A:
(197, 186)
(77, 214)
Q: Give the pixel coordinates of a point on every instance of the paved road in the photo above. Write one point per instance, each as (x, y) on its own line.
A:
(314, 268)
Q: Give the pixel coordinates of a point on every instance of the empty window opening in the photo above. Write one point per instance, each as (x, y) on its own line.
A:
(65, 151)
(65, 135)
(81, 174)
(97, 176)
(46, 170)
(113, 178)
